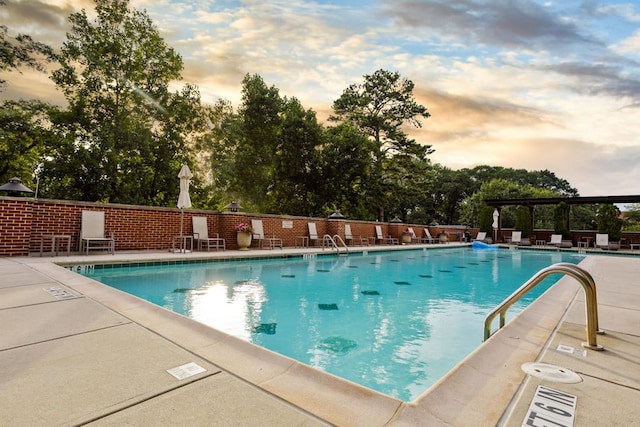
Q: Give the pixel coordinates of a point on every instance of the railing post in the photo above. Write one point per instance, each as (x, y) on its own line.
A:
(591, 304)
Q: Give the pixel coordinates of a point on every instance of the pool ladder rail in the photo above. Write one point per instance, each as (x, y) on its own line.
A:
(332, 242)
(591, 303)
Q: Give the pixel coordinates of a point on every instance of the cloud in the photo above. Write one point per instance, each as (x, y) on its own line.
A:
(517, 83)
(513, 24)
(585, 165)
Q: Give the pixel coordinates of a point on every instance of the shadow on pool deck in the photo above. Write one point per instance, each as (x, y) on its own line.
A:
(74, 351)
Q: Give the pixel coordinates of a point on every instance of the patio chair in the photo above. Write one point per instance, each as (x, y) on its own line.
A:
(92, 233)
(258, 234)
(481, 237)
(201, 235)
(387, 240)
(349, 238)
(556, 240)
(414, 238)
(428, 238)
(602, 242)
(517, 239)
(313, 234)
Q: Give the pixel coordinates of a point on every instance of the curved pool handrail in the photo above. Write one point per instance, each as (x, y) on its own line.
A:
(582, 276)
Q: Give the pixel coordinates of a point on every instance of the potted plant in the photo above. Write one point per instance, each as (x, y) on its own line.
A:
(244, 232)
(406, 237)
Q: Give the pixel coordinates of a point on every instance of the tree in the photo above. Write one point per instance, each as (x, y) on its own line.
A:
(609, 221)
(214, 151)
(451, 188)
(254, 147)
(26, 137)
(561, 220)
(130, 133)
(344, 172)
(493, 189)
(539, 179)
(380, 107)
(632, 217)
(295, 176)
(523, 221)
(21, 50)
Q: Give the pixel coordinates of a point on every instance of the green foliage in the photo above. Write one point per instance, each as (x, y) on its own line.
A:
(541, 180)
(523, 221)
(130, 132)
(379, 107)
(21, 51)
(26, 137)
(295, 185)
(255, 148)
(486, 219)
(561, 220)
(609, 221)
(344, 173)
(449, 190)
(632, 217)
(493, 189)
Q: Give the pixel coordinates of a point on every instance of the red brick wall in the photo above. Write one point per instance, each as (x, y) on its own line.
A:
(15, 226)
(24, 221)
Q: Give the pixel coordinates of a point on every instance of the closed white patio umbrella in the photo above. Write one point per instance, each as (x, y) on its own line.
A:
(184, 200)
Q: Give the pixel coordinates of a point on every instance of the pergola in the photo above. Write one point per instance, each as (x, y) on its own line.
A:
(532, 202)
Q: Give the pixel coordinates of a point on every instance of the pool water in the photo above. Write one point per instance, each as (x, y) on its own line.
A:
(395, 322)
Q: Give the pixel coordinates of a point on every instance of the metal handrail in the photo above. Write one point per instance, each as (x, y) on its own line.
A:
(336, 239)
(327, 237)
(582, 276)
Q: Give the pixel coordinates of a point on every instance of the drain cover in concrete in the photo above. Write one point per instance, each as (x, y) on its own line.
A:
(59, 293)
(187, 370)
(549, 372)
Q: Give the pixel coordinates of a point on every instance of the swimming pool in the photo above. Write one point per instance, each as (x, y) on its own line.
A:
(395, 321)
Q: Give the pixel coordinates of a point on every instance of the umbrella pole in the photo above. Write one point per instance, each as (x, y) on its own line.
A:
(181, 238)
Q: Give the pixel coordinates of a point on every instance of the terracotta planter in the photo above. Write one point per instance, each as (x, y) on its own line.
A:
(244, 241)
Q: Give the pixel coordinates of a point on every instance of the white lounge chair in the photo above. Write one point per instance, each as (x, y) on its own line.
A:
(517, 239)
(92, 233)
(313, 234)
(481, 237)
(388, 240)
(602, 242)
(414, 238)
(201, 235)
(556, 240)
(348, 236)
(428, 238)
(258, 234)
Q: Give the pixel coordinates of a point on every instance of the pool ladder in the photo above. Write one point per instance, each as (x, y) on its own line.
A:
(332, 242)
(591, 303)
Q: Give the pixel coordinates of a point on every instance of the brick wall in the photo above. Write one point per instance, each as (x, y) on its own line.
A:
(15, 226)
(25, 221)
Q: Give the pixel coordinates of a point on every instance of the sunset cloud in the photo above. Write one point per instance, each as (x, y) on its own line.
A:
(526, 84)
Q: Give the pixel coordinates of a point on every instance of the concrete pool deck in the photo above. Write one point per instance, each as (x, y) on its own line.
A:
(75, 352)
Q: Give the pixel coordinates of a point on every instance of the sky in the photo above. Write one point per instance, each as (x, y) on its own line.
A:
(525, 84)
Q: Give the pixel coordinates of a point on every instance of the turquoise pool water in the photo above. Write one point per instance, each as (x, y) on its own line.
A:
(394, 321)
